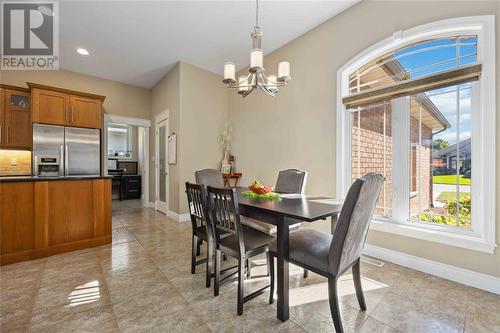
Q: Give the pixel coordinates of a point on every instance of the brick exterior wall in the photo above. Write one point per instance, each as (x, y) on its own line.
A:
(371, 157)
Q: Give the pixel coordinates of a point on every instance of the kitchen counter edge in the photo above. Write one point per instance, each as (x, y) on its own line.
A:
(6, 179)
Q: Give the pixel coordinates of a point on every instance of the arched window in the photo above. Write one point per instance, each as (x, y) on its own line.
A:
(419, 108)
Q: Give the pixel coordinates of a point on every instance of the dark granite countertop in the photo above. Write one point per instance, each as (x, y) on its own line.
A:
(4, 179)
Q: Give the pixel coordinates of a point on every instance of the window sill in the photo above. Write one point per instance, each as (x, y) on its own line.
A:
(438, 236)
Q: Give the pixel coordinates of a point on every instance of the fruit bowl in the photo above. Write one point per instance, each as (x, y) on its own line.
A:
(258, 188)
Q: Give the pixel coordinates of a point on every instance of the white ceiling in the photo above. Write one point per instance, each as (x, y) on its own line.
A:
(137, 42)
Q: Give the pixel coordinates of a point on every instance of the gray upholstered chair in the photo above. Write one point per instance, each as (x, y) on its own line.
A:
(291, 181)
(332, 255)
(209, 177)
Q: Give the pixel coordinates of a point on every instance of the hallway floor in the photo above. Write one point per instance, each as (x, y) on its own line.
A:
(142, 283)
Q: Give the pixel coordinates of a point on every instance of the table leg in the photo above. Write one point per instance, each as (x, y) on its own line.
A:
(282, 268)
(333, 224)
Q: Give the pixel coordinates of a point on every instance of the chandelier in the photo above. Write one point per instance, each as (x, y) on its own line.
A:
(256, 79)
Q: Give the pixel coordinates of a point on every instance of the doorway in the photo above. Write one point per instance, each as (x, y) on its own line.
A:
(161, 162)
(126, 159)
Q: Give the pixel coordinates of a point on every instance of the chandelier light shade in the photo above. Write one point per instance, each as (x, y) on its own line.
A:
(256, 78)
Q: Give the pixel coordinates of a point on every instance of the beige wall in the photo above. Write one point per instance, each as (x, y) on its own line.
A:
(165, 95)
(121, 99)
(297, 128)
(197, 104)
(204, 112)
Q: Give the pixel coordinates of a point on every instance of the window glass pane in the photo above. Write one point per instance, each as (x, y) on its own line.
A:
(118, 140)
(423, 58)
(372, 149)
(440, 140)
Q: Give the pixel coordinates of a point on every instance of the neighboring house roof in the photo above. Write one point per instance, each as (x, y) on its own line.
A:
(434, 119)
(464, 147)
(391, 70)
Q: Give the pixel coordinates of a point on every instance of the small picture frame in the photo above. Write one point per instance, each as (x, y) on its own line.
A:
(226, 168)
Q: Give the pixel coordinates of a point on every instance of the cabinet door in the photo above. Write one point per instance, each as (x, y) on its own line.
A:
(79, 215)
(85, 112)
(70, 211)
(16, 217)
(2, 117)
(50, 107)
(18, 130)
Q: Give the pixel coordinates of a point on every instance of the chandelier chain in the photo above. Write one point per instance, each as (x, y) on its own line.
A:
(257, 15)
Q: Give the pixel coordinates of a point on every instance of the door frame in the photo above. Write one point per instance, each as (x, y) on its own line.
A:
(133, 121)
(161, 119)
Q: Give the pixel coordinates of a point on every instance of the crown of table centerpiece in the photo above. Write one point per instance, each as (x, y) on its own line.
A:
(260, 191)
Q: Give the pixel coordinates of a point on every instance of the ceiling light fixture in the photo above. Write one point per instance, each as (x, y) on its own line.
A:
(256, 79)
(82, 51)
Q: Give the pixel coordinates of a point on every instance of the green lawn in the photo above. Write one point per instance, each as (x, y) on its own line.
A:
(450, 180)
(445, 196)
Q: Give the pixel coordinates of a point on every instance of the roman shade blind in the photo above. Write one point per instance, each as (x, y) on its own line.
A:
(415, 86)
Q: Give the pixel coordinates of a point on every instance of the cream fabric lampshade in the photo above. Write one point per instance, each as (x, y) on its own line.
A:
(229, 71)
(256, 59)
(284, 71)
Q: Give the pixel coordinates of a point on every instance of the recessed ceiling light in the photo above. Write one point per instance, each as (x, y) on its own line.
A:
(82, 51)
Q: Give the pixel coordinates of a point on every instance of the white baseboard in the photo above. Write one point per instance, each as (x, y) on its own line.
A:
(178, 217)
(453, 273)
(150, 205)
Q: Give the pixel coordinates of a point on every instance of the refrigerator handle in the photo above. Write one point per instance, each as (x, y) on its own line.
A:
(61, 162)
(66, 161)
(35, 167)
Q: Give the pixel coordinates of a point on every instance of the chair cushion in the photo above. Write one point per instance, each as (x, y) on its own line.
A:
(267, 228)
(308, 246)
(253, 240)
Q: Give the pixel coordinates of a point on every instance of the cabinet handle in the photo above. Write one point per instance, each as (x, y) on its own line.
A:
(7, 134)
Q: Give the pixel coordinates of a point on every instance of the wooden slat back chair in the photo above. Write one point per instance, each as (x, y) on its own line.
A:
(242, 242)
(333, 255)
(290, 181)
(201, 229)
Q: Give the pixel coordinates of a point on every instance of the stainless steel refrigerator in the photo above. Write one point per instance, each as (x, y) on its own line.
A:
(66, 151)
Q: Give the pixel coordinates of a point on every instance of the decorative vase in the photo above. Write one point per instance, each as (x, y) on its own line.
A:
(225, 160)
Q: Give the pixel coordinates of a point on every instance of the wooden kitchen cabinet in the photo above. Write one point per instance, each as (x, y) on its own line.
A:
(85, 112)
(50, 107)
(70, 211)
(16, 216)
(15, 118)
(57, 106)
(40, 218)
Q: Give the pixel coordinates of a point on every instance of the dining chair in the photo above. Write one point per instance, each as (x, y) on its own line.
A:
(332, 255)
(209, 177)
(242, 242)
(201, 228)
(291, 181)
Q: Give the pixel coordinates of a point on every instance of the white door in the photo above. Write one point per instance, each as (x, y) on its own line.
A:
(161, 166)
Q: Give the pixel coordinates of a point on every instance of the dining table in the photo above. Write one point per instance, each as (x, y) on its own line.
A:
(282, 212)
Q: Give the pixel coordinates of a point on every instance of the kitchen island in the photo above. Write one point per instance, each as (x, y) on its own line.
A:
(40, 217)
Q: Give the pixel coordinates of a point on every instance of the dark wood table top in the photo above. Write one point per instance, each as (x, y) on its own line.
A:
(300, 207)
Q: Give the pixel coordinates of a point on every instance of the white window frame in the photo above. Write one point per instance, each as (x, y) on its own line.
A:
(481, 235)
(129, 139)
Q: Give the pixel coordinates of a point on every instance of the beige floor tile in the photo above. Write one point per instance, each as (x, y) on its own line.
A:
(401, 312)
(372, 325)
(98, 319)
(143, 283)
(316, 317)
